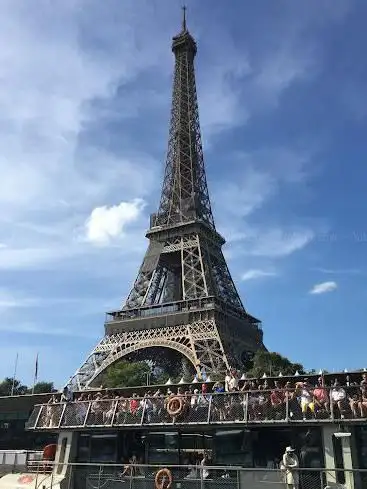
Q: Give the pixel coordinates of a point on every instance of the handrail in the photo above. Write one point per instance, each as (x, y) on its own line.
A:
(246, 407)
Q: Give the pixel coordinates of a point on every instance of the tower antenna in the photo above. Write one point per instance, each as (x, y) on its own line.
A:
(184, 27)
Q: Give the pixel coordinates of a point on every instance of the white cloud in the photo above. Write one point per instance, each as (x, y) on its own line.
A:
(106, 223)
(256, 273)
(323, 288)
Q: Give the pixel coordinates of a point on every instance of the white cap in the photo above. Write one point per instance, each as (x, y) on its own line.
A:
(289, 449)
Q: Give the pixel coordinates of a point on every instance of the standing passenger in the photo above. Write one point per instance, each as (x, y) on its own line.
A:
(290, 465)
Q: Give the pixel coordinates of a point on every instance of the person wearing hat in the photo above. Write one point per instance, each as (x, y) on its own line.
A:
(290, 464)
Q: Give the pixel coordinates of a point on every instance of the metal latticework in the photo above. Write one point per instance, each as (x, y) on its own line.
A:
(195, 266)
(185, 194)
(184, 262)
(199, 342)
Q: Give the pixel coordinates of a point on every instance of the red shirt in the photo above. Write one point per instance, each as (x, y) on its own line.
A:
(320, 394)
(134, 405)
(277, 397)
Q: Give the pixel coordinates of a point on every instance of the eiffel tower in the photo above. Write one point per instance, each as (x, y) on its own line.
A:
(183, 304)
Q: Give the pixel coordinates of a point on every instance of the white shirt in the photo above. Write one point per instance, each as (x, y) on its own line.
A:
(338, 394)
(306, 396)
(233, 384)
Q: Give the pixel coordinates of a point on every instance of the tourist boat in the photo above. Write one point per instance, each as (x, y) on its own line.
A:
(131, 440)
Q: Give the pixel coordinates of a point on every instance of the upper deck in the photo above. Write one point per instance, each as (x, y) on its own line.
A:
(253, 407)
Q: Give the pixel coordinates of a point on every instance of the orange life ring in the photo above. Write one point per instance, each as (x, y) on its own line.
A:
(163, 479)
(175, 406)
(49, 452)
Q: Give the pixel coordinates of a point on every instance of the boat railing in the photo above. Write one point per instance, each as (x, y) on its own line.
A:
(191, 475)
(12, 460)
(250, 407)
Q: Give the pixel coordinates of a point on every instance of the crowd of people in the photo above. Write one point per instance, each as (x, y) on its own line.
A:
(234, 399)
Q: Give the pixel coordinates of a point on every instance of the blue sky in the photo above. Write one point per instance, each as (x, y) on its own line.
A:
(85, 97)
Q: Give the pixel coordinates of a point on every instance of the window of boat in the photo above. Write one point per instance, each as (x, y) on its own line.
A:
(83, 448)
(196, 441)
(103, 448)
(233, 447)
(162, 447)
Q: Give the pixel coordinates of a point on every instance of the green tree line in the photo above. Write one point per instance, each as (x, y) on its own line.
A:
(6, 387)
(133, 374)
(127, 374)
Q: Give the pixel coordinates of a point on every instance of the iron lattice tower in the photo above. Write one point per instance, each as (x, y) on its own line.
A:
(184, 298)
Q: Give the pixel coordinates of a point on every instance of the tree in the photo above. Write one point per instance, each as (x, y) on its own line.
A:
(126, 374)
(41, 388)
(6, 387)
(272, 364)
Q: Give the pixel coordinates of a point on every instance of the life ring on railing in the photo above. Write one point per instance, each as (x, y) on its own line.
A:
(175, 406)
(163, 479)
(48, 457)
(49, 452)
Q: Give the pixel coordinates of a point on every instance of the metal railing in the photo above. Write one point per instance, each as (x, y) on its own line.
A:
(254, 407)
(180, 306)
(19, 460)
(138, 476)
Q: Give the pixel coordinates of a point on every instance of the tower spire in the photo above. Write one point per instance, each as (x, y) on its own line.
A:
(185, 196)
(184, 26)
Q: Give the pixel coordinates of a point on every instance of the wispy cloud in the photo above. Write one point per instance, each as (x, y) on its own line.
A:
(273, 243)
(258, 176)
(34, 329)
(278, 243)
(10, 301)
(323, 288)
(256, 274)
(340, 271)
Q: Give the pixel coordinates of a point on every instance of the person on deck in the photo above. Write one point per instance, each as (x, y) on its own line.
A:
(290, 464)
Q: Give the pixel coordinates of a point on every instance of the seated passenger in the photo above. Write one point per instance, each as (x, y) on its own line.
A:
(263, 403)
(321, 397)
(363, 402)
(277, 400)
(307, 403)
(339, 398)
(81, 409)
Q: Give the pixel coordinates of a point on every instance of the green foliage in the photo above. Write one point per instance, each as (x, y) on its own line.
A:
(41, 388)
(215, 377)
(160, 377)
(272, 363)
(6, 387)
(20, 389)
(125, 374)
